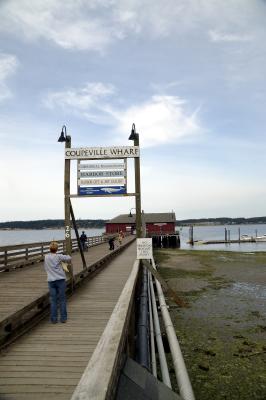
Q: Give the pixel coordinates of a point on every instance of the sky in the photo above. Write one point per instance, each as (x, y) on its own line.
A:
(189, 73)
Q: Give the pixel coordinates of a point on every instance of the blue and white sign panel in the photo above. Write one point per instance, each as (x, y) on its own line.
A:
(103, 179)
(101, 190)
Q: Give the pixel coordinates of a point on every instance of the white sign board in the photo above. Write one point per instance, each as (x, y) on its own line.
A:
(144, 249)
(101, 166)
(118, 181)
(89, 153)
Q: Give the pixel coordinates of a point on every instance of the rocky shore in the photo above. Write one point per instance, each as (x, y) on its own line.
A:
(222, 332)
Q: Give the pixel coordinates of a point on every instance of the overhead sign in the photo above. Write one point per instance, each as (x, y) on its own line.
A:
(101, 166)
(101, 190)
(89, 153)
(97, 174)
(118, 181)
(144, 249)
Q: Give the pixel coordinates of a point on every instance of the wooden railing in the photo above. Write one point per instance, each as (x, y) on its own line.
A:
(20, 255)
(22, 320)
(99, 380)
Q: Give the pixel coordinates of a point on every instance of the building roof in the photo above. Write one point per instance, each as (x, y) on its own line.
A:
(148, 218)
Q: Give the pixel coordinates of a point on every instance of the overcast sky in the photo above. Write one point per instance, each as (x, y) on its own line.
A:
(189, 73)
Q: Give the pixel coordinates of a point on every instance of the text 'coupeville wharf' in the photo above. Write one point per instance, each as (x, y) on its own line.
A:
(87, 153)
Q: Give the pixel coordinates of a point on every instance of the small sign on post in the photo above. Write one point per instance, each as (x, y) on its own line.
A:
(144, 249)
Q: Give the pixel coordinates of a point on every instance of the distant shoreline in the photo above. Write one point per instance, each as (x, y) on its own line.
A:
(44, 229)
(100, 223)
(179, 225)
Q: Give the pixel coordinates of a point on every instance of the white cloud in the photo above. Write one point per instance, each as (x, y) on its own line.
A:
(95, 24)
(89, 101)
(66, 24)
(82, 99)
(8, 65)
(217, 36)
(161, 119)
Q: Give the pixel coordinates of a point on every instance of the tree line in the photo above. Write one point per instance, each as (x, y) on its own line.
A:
(52, 224)
(223, 221)
(100, 223)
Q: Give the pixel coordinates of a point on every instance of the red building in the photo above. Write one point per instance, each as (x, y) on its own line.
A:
(155, 223)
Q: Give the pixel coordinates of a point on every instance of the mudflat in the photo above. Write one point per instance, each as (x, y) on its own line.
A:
(222, 332)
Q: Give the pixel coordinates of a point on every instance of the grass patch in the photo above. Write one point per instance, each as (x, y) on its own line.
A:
(170, 273)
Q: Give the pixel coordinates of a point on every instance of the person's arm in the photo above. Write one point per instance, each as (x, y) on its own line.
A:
(64, 257)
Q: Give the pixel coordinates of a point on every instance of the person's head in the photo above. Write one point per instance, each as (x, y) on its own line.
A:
(83, 232)
(53, 247)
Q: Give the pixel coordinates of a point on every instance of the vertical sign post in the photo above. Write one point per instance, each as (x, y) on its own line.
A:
(137, 191)
(67, 205)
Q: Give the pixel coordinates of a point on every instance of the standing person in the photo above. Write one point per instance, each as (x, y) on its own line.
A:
(56, 278)
(120, 239)
(111, 243)
(83, 240)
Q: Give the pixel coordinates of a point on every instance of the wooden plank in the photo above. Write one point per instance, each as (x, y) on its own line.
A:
(47, 363)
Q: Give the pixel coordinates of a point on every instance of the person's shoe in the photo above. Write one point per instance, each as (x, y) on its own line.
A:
(64, 321)
(53, 322)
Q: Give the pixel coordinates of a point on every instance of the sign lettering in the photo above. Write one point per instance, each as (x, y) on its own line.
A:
(101, 166)
(97, 174)
(144, 249)
(89, 153)
(118, 181)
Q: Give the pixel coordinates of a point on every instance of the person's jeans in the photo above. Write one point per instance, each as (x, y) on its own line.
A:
(58, 294)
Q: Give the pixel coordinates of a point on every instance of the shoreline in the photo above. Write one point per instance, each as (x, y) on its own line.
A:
(222, 332)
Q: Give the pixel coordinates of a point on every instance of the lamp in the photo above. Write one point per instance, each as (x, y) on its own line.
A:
(130, 214)
(63, 136)
(133, 135)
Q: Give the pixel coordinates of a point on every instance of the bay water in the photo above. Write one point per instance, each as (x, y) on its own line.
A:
(213, 232)
(217, 232)
(12, 237)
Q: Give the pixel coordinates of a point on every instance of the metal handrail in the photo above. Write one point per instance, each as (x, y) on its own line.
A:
(159, 342)
(153, 356)
(182, 377)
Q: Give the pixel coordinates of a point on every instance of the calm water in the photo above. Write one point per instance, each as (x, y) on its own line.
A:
(43, 235)
(217, 233)
(200, 233)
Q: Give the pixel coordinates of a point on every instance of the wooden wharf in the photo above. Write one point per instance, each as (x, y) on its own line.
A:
(48, 361)
(225, 241)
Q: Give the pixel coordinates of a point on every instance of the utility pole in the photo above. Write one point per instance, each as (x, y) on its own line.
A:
(67, 199)
(138, 191)
(68, 244)
(135, 136)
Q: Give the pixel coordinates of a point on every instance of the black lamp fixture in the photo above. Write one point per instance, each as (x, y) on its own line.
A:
(130, 214)
(133, 135)
(63, 136)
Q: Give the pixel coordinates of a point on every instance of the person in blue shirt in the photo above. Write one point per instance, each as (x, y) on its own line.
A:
(56, 278)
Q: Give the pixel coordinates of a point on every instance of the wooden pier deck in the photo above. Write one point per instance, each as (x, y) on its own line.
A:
(48, 361)
(21, 287)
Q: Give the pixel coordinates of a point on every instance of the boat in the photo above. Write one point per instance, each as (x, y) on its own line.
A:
(246, 237)
(260, 238)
